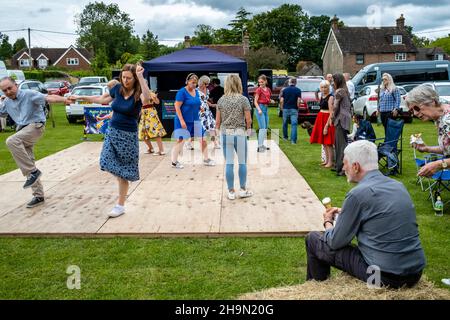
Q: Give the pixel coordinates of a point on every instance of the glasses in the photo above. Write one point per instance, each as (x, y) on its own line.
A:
(416, 108)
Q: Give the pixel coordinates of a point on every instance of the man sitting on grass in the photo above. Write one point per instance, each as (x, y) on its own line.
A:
(380, 213)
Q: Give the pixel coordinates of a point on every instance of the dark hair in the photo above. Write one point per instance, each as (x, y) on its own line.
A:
(216, 81)
(190, 76)
(136, 86)
(340, 83)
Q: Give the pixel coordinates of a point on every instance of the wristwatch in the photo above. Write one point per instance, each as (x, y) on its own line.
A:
(444, 164)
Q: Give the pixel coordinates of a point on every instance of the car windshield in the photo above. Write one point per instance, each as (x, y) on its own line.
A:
(89, 80)
(51, 85)
(443, 90)
(279, 82)
(308, 86)
(87, 92)
(358, 77)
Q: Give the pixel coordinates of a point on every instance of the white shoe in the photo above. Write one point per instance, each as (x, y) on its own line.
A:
(209, 163)
(446, 281)
(177, 165)
(117, 211)
(231, 195)
(189, 146)
(245, 193)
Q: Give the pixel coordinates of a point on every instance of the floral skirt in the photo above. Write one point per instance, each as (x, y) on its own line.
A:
(150, 126)
(207, 120)
(120, 154)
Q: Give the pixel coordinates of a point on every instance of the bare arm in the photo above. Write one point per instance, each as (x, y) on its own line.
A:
(53, 98)
(330, 108)
(104, 99)
(144, 86)
(178, 105)
(218, 120)
(248, 119)
(281, 102)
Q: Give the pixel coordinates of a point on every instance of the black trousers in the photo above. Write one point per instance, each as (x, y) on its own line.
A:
(320, 258)
(340, 142)
(384, 118)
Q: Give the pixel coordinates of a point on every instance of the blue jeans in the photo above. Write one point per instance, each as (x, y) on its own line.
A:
(263, 123)
(293, 114)
(230, 144)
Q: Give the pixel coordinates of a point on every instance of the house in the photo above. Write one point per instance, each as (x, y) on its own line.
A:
(235, 50)
(66, 58)
(434, 53)
(348, 49)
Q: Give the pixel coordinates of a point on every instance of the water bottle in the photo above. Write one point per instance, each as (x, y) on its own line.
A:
(439, 207)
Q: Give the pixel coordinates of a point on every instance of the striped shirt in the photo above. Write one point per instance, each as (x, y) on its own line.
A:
(389, 100)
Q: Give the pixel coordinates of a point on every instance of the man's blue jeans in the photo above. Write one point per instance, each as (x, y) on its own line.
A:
(230, 145)
(263, 123)
(293, 115)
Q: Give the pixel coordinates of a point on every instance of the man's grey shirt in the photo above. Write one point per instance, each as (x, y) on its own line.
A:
(380, 213)
(28, 107)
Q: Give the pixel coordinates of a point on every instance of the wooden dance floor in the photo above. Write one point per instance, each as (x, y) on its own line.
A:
(165, 202)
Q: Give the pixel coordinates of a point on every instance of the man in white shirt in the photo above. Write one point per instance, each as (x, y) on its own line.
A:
(350, 85)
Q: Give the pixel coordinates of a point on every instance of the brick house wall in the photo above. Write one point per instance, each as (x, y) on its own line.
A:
(83, 64)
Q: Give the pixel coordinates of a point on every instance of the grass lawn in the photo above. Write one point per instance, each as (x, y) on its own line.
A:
(130, 268)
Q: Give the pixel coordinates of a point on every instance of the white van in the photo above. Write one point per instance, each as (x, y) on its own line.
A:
(3, 71)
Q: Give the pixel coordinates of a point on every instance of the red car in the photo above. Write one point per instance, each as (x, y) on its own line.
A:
(309, 108)
(57, 87)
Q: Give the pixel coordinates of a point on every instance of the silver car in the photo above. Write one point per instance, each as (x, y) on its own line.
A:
(75, 111)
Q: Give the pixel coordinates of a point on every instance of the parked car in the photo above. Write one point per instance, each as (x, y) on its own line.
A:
(442, 89)
(309, 107)
(92, 80)
(409, 86)
(36, 86)
(17, 75)
(366, 103)
(57, 87)
(75, 111)
(278, 82)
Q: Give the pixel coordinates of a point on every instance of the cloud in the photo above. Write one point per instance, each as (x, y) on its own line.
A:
(44, 10)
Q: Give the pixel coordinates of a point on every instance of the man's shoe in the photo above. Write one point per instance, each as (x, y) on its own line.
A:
(35, 202)
(32, 179)
(117, 211)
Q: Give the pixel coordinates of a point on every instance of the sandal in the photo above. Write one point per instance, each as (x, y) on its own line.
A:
(150, 151)
(160, 153)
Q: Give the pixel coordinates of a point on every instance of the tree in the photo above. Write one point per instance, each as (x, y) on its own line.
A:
(105, 26)
(6, 49)
(100, 62)
(149, 47)
(419, 42)
(443, 43)
(224, 36)
(203, 34)
(281, 28)
(265, 58)
(239, 25)
(19, 45)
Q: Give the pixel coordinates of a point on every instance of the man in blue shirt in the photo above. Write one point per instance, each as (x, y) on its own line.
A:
(290, 99)
(380, 213)
(26, 108)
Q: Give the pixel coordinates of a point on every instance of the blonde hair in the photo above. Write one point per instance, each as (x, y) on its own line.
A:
(390, 85)
(233, 85)
(204, 80)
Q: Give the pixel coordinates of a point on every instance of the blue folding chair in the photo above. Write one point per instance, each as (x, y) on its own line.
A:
(390, 150)
(439, 183)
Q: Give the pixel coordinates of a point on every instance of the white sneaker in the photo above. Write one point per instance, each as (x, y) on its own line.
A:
(189, 146)
(231, 195)
(117, 211)
(177, 165)
(446, 281)
(245, 193)
(209, 163)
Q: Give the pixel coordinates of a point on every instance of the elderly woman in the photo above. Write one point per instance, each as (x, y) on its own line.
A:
(423, 101)
(389, 102)
(206, 116)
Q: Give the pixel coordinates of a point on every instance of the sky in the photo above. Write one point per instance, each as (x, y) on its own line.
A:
(171, 20)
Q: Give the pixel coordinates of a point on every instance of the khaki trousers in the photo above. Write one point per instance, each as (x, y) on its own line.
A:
(21, 146)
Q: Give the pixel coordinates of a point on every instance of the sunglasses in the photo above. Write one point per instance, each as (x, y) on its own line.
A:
(416, 109)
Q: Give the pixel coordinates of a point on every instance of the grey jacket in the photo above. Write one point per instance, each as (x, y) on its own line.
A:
(342, 113)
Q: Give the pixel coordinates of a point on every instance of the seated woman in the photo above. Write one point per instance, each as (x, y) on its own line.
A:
(424, 102)
(362, 130)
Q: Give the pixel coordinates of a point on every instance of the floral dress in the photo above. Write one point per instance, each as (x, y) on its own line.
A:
(443, 125)
(150, 126)
(205, 114)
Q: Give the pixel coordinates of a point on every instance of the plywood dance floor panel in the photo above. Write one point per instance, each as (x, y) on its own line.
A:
(165, 202)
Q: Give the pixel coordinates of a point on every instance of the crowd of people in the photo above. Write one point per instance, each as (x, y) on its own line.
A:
(379, 211)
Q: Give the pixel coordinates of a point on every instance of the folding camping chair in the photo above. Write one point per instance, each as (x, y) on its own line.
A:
(438, 183)
(390, 150)
(419, 164)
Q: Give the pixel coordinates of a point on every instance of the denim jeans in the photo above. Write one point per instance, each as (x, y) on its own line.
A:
(263, 123)
(230, 145)
(293, 114)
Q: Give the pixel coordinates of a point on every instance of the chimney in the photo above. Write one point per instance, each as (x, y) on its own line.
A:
(334, 22)
(187, 41)
(246, 43)
(401, 22)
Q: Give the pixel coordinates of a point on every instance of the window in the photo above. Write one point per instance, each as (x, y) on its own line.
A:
(24, 62)
(360, 58)
(42, 63)
(400, 56)
(397, 39)
(72, 61)
(439, 56)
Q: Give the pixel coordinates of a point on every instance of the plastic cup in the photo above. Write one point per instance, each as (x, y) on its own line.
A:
(326, 202)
